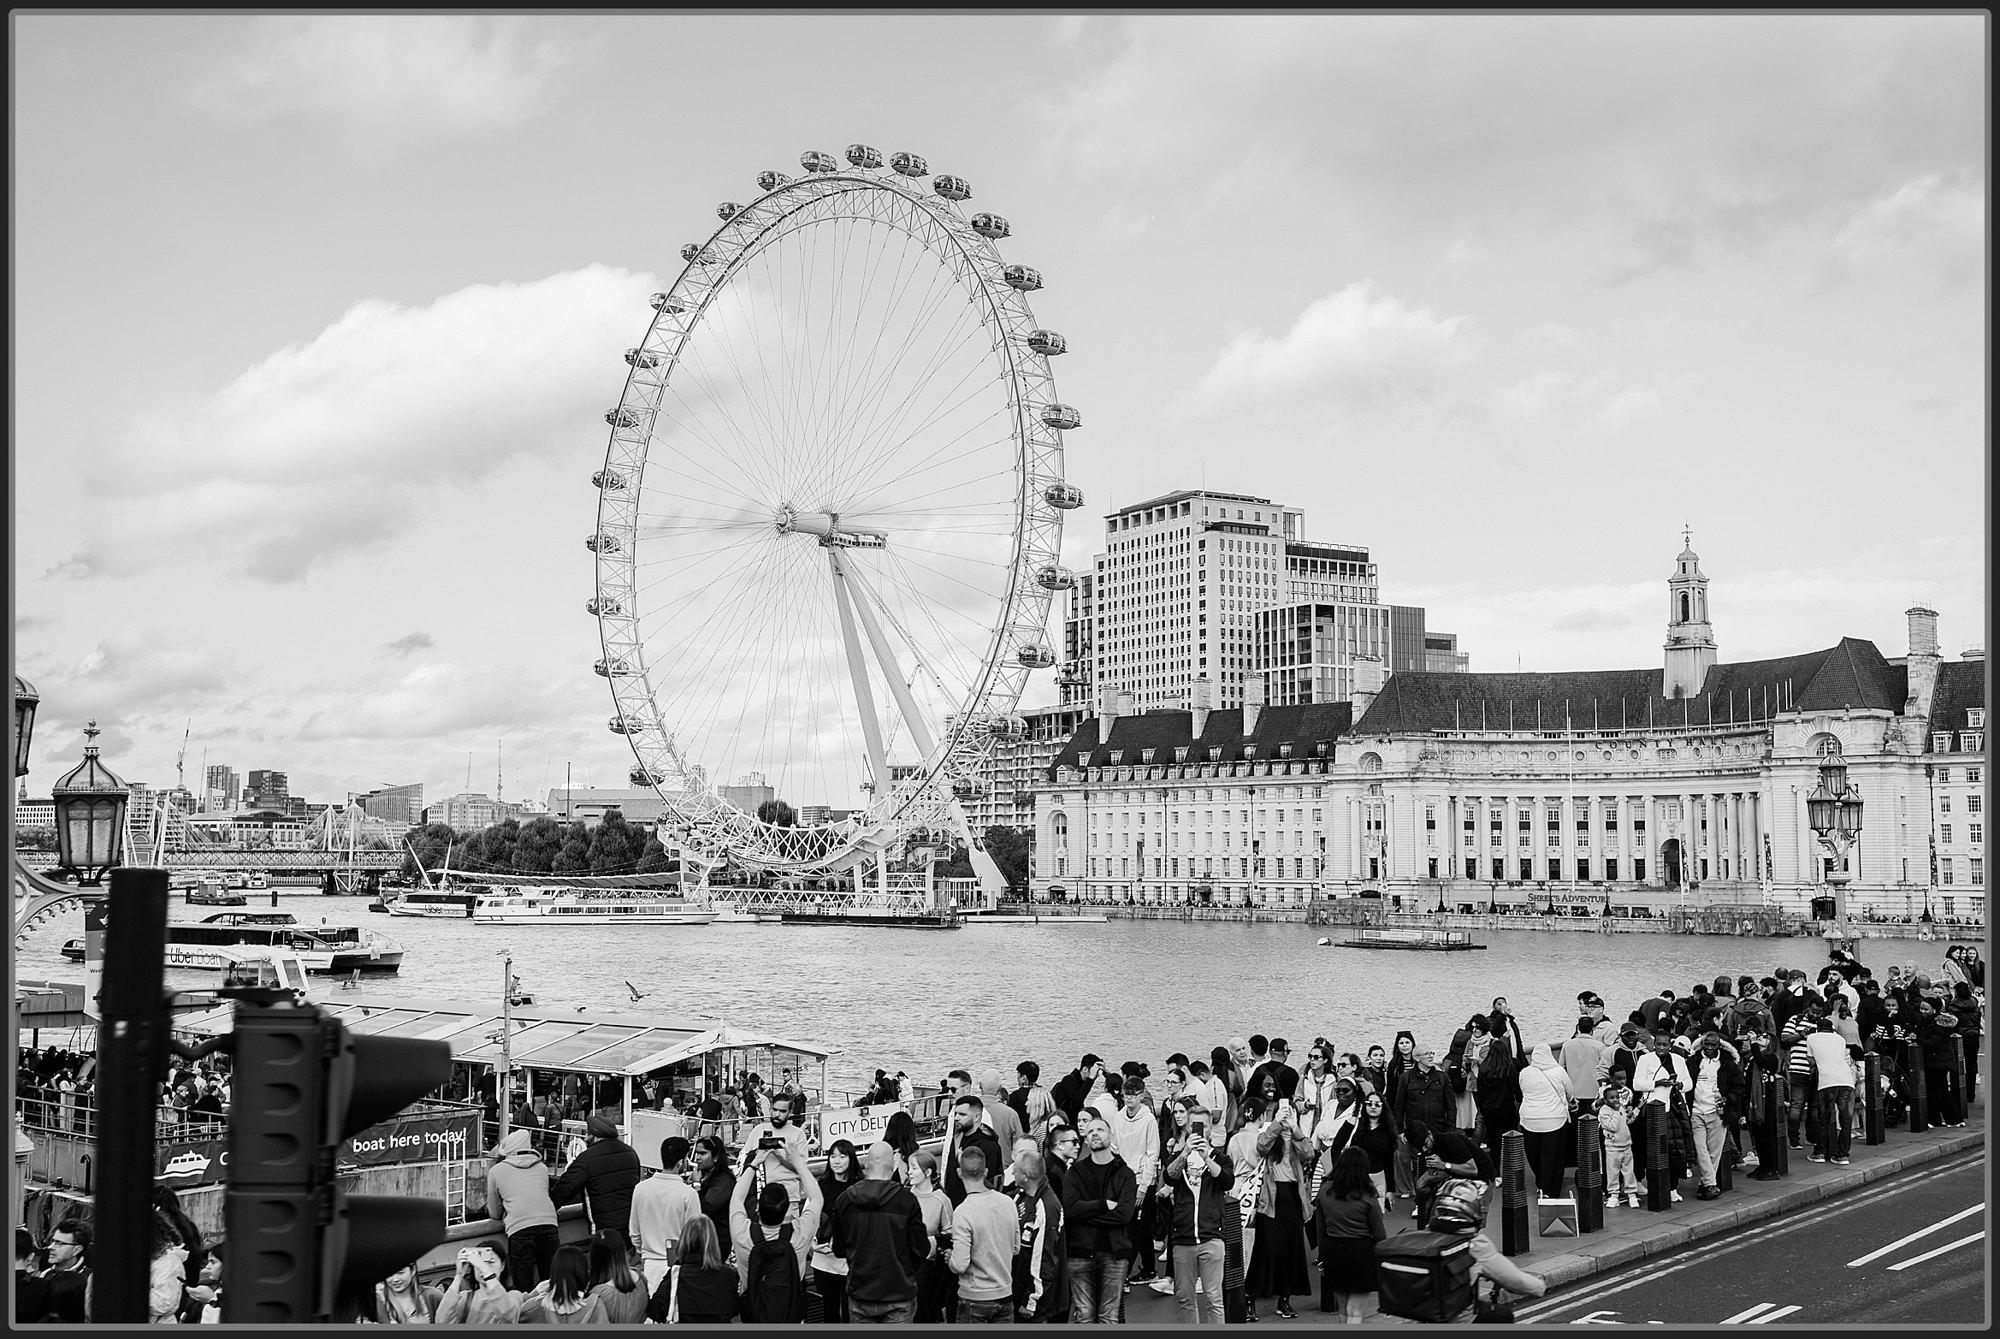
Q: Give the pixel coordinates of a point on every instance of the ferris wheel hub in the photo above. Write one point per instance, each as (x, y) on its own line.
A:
(826, 526)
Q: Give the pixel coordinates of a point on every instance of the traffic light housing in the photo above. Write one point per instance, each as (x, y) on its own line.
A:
(303, 1083)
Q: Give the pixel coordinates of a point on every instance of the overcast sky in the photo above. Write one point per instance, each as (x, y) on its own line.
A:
(316, 320)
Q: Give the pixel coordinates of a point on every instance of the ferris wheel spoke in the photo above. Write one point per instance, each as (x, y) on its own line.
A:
(883, 447)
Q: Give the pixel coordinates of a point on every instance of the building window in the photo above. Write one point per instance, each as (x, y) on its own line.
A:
(1973, 803)
(1430, 818)
(1639, 869)
(1972, 775)
(1944, 868)
(1944, 804)
(1527, 870)
(1976, 717)
(1973, 741)
(1944, 833)
(1978, 874)
(1611, 868)
(1940, 743)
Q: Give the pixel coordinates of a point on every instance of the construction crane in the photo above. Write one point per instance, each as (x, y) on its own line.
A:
(180, 759)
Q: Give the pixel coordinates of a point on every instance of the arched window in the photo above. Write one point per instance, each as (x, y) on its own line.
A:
(1684, 607)
(1059, 829)
(1371, 762)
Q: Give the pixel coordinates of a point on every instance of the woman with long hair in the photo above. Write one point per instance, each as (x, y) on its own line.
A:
(1471, 1056)
(565, 1297)
(401, 1300)
(1222, 1065)
(169, 1204)
(613, 1281)
(1402, 1059)
(843, 1169)
(1350, 1223)
(1239, 1234)
(166, 1287)
(1375, 1134)
(1499, 1092)
(901, 1135)
(700, 1289)
(1278, 1265)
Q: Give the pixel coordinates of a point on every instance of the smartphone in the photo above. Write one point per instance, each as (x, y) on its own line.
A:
(769, 1141)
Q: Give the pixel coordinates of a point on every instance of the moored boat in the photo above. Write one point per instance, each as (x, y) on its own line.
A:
(555, 905)
(1435, 941)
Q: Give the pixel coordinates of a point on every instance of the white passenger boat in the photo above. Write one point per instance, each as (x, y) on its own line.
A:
(727, 913)
(431, 902)
(531, 905)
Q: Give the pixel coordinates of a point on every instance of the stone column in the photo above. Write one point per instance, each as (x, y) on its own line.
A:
(1651, 846)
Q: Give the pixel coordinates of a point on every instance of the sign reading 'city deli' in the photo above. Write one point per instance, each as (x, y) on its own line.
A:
(418, 1139)
(859, 1126)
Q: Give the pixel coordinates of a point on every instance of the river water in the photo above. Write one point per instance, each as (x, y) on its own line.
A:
(928, 1001)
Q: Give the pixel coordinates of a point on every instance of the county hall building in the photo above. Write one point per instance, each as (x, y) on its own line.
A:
(1614, 790)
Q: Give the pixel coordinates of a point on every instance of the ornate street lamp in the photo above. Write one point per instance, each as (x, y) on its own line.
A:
(90, 816)
(1833, 810)
(25, 702)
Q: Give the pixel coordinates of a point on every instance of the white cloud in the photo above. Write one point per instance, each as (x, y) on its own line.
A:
(1602, 403)
(332, 446)
(380, 73)
(432, 701)
(1347, 350)
(1926, 210)
(1527, 400)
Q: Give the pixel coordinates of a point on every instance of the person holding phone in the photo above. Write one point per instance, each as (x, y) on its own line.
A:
(477, 1296)
(1199, 1178)
(776, 1149)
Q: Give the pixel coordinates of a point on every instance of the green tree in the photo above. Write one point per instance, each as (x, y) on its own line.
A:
(574, 857)
(957, 865)
(778, 814)
(493, 848)
(654, 858)
(1013, 850)
(427, 844)
(611, 845)
(536, 846)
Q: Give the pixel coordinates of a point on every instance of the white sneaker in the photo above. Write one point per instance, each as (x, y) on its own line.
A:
(1163, 1286)
(1676, 1195)
(1635, 1201)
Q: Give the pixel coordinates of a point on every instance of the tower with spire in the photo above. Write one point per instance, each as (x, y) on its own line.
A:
(1690, 637)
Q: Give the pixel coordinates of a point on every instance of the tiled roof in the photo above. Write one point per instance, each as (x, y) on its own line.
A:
(1303, 727)
(1850, 674)
(1960, 684)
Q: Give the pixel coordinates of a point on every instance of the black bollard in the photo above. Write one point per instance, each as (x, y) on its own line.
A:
(1589, 1175)
(132, 1053)
(1963, 1106)
(1874, 1128)
(1781, 1119)
(1725, 1165)
(1514, 1234)
(1913, 1065)
(1659, 1179)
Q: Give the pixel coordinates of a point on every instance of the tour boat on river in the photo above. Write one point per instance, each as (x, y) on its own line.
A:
(326, 950)
(1436, 941)
(531, 905)
(432, 902)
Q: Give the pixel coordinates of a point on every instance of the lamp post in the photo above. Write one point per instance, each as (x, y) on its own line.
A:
(1833, 810)
(90, 816)
(26, 699)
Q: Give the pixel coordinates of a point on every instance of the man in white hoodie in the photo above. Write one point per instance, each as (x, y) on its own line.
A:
(1135, 1137)
(517, 1193)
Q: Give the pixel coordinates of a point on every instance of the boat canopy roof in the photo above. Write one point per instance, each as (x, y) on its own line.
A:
(660, 880)
(599, 1042)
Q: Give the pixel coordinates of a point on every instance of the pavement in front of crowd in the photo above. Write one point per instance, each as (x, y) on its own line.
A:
(1904, 1251)
(1632, 1235)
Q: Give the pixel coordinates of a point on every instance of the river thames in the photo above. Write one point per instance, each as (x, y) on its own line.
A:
(928, 1001)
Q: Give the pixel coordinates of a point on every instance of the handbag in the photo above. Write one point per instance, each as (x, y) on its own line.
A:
(1492, 1305)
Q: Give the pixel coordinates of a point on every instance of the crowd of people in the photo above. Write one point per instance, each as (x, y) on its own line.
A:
(1233, 1181)
(56, 1089)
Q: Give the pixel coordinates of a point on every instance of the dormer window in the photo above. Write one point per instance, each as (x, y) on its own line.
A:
(1972, 741)
(1146, 755)
(1941, 742)
(1118, 755)
(1975, 717)
(1181, 753)
(1215, 753)
(1284, 750)
(1249, 750)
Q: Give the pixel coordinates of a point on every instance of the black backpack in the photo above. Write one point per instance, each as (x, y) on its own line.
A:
(776, 1295)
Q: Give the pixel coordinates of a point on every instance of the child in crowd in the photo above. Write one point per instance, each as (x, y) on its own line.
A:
(1614, 1118)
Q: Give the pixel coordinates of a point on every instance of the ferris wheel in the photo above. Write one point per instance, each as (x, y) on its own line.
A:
(830, 517)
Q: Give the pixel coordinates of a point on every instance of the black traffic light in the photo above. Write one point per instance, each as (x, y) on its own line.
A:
(303, 1083)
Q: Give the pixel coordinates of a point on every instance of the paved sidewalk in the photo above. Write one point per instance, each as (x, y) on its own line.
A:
(1635, 1234)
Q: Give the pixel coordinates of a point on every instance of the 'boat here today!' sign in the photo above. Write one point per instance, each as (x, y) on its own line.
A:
(423, 1138)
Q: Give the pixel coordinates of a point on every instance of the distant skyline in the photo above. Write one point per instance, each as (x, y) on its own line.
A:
(316, 319)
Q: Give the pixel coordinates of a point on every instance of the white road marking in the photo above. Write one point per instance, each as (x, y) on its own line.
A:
(1743, 1317)
(1636, 1275)
(1932, 1255)
(1770, 1316)
(1917, 1235)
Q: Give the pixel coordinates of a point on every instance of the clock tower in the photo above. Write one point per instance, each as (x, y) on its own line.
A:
(1690, 638)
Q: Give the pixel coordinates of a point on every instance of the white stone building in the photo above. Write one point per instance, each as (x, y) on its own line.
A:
(1619, 788)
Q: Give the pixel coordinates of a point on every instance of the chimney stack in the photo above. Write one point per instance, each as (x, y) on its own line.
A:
(1204, 702)
(1253, 703)
(1107, 713)
(1369, 676)
(1922, 664)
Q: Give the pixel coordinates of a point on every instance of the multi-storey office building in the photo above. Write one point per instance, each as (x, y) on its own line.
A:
(1004, 790)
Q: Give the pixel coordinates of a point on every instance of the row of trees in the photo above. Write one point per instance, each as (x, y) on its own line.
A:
(546, 845)
(542, 845)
